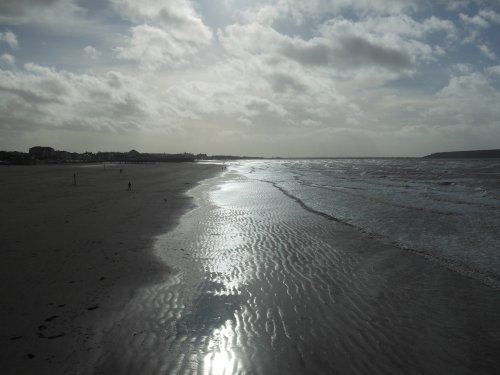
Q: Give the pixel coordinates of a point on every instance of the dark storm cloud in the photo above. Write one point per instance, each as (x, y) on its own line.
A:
(282, 82)
(316, 54)
(348, 52)
(356, 51)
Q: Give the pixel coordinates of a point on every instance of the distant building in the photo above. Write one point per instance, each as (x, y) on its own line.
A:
(62, 155)
(88, 156)
(15, 157)
(39, 152)
(49, 155)
(132, 155)
(108, 156)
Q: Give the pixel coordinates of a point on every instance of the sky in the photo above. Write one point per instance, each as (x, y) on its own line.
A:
(243, 77)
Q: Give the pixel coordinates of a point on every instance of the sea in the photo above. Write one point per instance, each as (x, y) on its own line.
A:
(324, 266)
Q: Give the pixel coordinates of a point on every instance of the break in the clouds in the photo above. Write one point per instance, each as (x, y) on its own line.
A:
(282, 77)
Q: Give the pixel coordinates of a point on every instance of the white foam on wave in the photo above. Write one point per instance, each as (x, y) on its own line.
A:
(404, 202)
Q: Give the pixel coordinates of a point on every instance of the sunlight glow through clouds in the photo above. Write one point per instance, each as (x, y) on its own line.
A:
(269, 72)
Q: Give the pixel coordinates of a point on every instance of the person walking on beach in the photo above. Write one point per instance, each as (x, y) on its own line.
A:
(129, 186)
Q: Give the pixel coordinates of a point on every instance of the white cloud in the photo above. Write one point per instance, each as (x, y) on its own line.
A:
(168, 32)
(467, 103)
(494, 70)
(310, 123)
(462, 69)
(338, 47)
(91, 52)
(406, 26)
(490, 15)
(49, 12)
(454, 4)
(391, 45)
(485, 50)
(290, 73)
(318, 8)
(10, 38)
(473, 85)
(178, 16)
(476, 21)
(154, 47)
(7, 60)
(60, 99)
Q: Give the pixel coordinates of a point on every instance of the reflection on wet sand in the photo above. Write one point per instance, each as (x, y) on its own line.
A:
(220, 359)
(264, 287)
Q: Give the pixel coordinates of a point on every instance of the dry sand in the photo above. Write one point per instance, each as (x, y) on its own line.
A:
(72, 256)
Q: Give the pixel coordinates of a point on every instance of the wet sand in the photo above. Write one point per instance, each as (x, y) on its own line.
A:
(72, 256)
(260, 285)
(249, 282)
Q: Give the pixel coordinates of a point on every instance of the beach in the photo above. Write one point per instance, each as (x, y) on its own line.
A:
(270, 267)
(73, 255)
(263, 283)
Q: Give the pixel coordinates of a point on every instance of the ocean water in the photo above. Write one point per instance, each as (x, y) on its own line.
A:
(386, 266)
(447, 210)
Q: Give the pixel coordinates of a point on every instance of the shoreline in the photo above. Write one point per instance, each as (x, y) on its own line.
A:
(73, 255)
(248, 281)
(257, 281)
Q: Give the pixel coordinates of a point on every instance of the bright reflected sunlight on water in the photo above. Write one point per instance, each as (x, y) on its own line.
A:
(273, 274)
(221, 359)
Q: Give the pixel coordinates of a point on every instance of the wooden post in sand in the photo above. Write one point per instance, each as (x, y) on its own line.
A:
(74, 179)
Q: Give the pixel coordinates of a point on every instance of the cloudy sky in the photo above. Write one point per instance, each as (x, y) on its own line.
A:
(270, 78)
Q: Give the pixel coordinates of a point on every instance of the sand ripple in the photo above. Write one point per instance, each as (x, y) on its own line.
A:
(263, 286)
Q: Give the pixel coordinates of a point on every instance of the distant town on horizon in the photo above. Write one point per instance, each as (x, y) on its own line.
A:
(48, 155)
